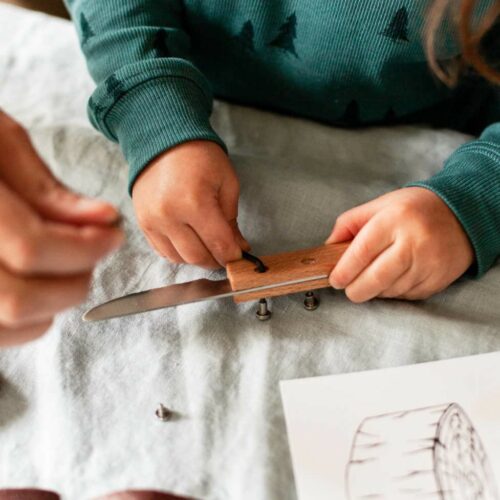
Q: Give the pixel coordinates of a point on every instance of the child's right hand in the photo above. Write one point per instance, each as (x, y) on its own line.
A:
(186, 202)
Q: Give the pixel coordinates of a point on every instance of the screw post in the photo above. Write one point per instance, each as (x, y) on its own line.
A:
(263, 313)
(311, 302)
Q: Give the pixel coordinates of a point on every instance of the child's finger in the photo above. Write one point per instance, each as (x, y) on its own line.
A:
(228, 197)
(402, 285)
(163, 246)
(218, 235)
(379, 275)
(421, 291)
(241, 240)
(189, 246)
(151, 241)
(425, 288)
(228, 200)
(371, 240)
(348, 225)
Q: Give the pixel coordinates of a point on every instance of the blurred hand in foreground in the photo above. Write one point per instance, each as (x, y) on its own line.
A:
(50, 239)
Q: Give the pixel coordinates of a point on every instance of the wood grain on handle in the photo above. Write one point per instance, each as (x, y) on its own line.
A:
(284, 267)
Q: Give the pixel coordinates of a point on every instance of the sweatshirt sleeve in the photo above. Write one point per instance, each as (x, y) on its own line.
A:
(469, 184)
(149, 96)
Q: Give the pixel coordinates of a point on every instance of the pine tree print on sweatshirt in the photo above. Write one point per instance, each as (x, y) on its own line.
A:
(397, 29)
(86, 31)
(287, 35)
(157, 66)
(245, 39)
(114, 87)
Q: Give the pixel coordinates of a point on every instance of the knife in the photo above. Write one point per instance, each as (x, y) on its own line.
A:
(286, 273)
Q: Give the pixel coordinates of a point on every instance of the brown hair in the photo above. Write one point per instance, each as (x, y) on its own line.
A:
(470, 39)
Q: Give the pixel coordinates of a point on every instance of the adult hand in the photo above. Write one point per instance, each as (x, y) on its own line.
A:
(50, 239)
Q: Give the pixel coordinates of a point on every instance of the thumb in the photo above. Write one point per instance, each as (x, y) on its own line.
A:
(241, 240)
(348, 225)
(22, 169)
(229, 195)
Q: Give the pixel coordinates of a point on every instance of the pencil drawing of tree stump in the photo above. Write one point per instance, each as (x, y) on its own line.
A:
(430, 453)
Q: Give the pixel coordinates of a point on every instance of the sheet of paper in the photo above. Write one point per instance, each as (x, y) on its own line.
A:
(423, 431)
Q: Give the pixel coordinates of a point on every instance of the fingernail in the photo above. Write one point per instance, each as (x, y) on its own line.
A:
(109, 213)
(83, 202)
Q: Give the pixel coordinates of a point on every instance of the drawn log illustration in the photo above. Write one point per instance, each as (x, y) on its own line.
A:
(429, 453)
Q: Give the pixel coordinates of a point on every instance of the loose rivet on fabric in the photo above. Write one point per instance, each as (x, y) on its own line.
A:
(163, 413)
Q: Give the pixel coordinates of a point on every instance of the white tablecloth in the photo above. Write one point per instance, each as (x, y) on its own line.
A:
(77, 407)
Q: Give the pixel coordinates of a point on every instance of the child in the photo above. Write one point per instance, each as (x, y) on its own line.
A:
(345, 62)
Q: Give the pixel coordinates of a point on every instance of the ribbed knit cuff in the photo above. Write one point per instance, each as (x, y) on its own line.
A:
(152, 116)
(470, 185)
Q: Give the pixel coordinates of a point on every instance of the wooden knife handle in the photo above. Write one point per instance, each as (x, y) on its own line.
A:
(284, 267)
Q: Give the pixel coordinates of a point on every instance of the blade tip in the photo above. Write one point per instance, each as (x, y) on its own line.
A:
(86, 317)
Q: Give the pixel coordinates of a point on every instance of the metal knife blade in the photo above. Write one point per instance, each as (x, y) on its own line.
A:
(175, 295)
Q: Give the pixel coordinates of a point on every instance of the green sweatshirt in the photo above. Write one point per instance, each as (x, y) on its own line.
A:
(157, 65)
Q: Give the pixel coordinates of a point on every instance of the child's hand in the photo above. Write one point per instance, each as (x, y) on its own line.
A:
(186, 202)
(407, 244)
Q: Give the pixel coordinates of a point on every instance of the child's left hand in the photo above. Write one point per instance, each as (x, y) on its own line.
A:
(407, 244)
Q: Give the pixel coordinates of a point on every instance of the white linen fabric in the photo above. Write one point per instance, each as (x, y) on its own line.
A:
(77, 407)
